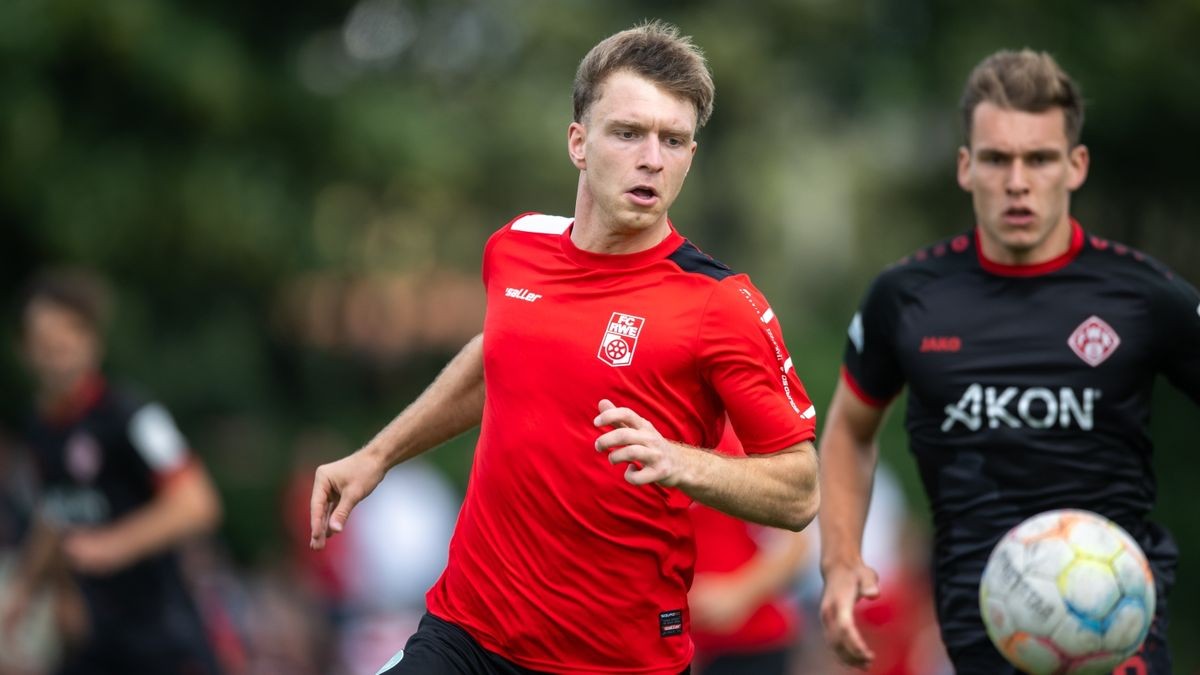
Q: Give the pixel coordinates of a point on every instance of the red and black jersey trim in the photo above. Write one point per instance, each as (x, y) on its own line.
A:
(691, 259)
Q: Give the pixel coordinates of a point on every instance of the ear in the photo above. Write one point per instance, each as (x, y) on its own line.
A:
(964, 168)
(1077, 167)
(576, 142)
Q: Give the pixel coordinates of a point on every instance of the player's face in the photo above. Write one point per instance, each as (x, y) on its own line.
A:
(59, 346)
(1020, 170)
(634, 148)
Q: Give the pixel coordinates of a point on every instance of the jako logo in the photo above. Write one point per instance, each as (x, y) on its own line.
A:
(950, 343)
(1036, 407)
(521, 294)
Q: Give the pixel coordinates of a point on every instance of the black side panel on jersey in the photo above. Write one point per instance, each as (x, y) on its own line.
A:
(691, 259)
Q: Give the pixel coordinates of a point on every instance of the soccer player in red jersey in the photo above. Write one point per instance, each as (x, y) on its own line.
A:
(611, 353)
(1029, 349)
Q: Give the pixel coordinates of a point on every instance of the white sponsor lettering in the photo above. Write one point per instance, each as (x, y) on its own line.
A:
(66, 506)
(1036, 408)
(521, 294)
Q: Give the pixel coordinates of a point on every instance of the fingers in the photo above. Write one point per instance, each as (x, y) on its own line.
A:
(837, 616)
(612, 416)
(324, 497)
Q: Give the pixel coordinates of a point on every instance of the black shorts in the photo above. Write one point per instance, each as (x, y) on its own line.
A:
(442, 648)
(140, 652)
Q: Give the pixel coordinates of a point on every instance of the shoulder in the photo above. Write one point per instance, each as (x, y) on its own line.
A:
(123, 400)
(1131, 266)
(937, 261)
(690, 259)
(539, 223)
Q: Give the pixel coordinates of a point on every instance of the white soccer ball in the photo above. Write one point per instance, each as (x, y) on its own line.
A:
(1067, 591)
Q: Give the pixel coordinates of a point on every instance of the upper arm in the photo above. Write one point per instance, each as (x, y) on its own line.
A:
(850, 418)
(871, 367)
(1179, 311)
(157, 442)
(743, 356)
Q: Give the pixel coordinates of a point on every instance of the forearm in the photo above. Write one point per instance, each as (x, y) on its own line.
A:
(186, 507)
(39, 555)
(847, 475)
(779, 490)
(452, 404)
(775, 566)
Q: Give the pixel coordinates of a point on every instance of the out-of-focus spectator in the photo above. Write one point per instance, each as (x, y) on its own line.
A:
(119, 490)
(743, 616)
(370, 584)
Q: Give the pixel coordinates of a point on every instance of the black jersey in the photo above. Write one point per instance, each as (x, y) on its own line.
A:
(1029, 390)
(100, 461)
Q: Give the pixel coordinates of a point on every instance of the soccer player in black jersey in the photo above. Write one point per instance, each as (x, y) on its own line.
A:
(1029, 348)
(118, 491)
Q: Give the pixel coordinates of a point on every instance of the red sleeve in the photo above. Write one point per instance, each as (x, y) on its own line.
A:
(742, 354)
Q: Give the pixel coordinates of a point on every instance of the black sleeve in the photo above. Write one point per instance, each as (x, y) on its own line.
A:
(1178, 325)
(870, 358)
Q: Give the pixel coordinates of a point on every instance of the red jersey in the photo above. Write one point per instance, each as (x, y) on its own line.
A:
(557, 563)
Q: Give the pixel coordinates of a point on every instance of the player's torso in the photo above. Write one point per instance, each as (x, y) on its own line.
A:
(87, 473)
(559, 336)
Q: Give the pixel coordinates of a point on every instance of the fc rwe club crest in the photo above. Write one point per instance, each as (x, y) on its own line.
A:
(620, 339)
(1094, 341)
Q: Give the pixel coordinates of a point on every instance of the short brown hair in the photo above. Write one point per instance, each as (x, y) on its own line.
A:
(1028, 81)
(655, 50)
(82, 292)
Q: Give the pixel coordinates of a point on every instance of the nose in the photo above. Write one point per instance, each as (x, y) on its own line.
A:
(650, 157)
(1016, 182)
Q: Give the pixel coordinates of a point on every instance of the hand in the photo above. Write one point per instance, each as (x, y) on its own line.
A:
(652, 458)
(96, 551)
(15, 606)
(844, 586)
(337, 488)
(718, 603)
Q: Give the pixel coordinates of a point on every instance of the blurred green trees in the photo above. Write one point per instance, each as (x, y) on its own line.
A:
(274, 190)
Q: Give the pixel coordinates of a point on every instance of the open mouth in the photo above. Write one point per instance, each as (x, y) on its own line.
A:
(644, 193)
(1018, 214)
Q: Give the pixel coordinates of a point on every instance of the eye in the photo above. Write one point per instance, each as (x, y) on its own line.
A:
(674, 141)
(626, 134)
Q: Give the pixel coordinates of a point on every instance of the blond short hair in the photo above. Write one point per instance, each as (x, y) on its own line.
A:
(654, 50)
(1028, 81)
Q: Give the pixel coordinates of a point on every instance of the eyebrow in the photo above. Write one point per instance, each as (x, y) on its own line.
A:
(997, 152)
(633, 124)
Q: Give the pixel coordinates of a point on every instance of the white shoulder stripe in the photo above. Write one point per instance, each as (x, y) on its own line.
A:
(542, 224)
(156, 438)
(768, 315)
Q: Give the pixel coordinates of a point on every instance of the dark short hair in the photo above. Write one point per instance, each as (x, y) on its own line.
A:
(1028, 81)
(655, 50)
(82, 292)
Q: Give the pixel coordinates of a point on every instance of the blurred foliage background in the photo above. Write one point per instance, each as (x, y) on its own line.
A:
(291, 200)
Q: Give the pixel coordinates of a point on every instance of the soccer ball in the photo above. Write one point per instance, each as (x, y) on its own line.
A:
(1067, 591)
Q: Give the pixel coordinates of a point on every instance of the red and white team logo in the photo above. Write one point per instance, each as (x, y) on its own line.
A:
(1094, 341)
(83, 457)
(616, 349)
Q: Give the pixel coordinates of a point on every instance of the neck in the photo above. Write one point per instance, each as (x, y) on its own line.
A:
(599, 231)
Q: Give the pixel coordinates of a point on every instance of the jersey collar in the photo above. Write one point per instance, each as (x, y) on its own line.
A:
(1052, 265)
(73, 405)
(619, 261)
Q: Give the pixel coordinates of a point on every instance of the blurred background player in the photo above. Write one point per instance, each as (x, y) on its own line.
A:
(745, 616)
(119, 490)
(1029, 349)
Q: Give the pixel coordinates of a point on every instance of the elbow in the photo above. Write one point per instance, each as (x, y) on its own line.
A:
(803, 510)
